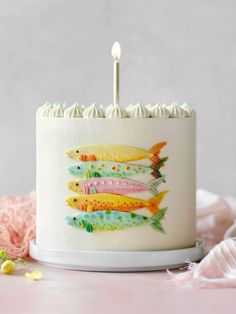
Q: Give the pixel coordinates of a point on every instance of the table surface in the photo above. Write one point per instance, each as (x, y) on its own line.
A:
(67, 291)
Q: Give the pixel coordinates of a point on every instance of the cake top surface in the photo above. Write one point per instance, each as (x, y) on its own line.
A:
(58, 110)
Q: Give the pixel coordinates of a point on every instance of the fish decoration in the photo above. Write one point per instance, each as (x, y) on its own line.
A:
(113, 186)
(103, 186)
(104, 201)
(116, 153)
(95, 169)
(114, 220)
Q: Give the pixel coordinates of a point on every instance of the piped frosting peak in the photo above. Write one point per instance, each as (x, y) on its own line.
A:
(115, 112)
(57, 111)
(44, 110)
(74, 111)
(176, 111)
(93, 111)
(138, 111)
(190, 112)
(158, 111)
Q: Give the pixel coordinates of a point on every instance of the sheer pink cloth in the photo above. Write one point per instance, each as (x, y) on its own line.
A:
(215, 218)
(215, 222)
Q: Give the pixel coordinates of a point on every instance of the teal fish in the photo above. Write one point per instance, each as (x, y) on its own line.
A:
(114, 220)
(112, 169)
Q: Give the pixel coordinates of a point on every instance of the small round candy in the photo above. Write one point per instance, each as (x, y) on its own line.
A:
(8, 267)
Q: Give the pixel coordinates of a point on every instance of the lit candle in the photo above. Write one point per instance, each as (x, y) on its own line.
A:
(116, 52)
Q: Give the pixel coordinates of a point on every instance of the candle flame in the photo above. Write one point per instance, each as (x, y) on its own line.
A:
(116, 51)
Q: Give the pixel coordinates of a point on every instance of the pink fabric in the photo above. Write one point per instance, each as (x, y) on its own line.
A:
(215, 216)
(17, 224)
(215, 222)
(216, 270)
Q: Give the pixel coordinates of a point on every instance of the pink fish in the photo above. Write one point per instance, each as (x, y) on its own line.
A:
(113, 186)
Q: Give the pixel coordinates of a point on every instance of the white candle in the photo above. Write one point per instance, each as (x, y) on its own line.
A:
(116, 52)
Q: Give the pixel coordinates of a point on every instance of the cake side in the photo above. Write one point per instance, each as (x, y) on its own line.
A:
(55, 137)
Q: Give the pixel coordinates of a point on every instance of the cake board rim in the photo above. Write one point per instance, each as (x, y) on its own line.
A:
(117, 261)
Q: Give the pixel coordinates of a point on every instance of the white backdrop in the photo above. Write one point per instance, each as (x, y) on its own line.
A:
(172, 50)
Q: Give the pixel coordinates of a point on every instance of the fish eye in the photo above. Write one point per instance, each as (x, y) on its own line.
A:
(77, 151)
(78, 167)
(75, 200)
(74, 218)
(77, 184)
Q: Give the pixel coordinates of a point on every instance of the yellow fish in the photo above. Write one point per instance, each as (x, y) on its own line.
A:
(116, 153)
(104, 201)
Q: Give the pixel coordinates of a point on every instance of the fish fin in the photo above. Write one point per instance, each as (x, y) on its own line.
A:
(155, 201)
(86, 174)
(89, 209)
(96, 174)
(89, 227)
(154, 184)
(155, 221)
(92, 190)
(92, 158)
(155, 150)
(91, 174)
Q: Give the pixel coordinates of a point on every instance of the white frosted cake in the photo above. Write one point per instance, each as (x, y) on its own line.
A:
(115, 179)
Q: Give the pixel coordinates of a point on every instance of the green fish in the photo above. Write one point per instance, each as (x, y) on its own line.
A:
(113, 169)
(114, 220)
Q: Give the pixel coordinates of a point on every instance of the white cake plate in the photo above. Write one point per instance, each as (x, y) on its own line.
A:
(117, 261)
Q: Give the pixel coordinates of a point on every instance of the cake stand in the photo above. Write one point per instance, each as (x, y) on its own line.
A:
(117, 261)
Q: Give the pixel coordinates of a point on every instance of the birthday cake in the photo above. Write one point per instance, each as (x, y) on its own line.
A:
(113, 179)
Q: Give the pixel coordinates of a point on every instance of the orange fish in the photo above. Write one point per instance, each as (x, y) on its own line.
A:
(104, 201)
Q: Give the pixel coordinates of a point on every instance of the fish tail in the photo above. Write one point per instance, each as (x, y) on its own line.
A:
(155, 201)
(155, 183)
(160, 162)
(155, 221)
(156, 174)
(155, 151)
(157, 165)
